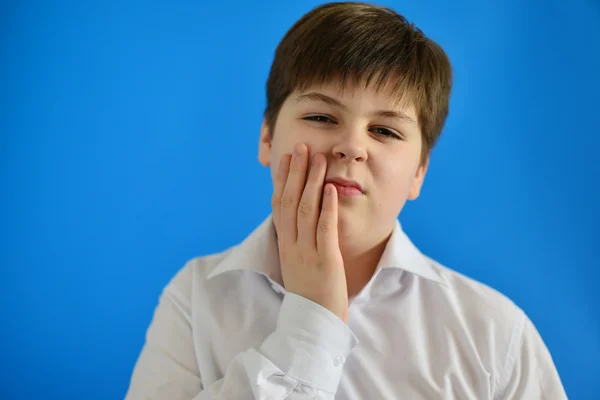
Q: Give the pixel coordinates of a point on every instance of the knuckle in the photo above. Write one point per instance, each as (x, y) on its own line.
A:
(275, 201)
(287, 202)
(304, 209)
(324, 226)
(283, 252)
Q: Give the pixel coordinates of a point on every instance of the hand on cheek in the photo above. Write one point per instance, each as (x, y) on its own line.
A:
(305, 214)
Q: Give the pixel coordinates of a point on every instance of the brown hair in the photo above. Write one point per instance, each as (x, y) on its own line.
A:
(360, 43)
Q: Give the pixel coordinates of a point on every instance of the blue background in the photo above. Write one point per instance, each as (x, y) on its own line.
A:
(129, 145)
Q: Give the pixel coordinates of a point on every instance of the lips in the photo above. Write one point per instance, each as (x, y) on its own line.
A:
(346, 187)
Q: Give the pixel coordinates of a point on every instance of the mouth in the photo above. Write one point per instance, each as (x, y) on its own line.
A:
(346, 188)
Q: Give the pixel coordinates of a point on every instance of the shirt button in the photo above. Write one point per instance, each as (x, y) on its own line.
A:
(337, 361)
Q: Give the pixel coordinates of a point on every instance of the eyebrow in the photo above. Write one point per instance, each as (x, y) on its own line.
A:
(322, 98)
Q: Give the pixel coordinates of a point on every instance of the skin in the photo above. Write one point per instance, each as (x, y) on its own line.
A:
(330, 244)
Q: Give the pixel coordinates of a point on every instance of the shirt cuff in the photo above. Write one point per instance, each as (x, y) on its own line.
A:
(310, 344)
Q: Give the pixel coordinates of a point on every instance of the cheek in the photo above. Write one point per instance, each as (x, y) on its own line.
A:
(289, 133)
(392, 190)
(281, 147)
(394, 180)
(282, 144)
(278, 149)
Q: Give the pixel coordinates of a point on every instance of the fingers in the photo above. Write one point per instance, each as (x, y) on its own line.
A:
(279, 185)
(294, 186)
(302, 212)
(310, 203)
(327, 226)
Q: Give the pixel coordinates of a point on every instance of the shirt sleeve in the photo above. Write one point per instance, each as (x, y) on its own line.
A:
(302, 358)
(529, 372)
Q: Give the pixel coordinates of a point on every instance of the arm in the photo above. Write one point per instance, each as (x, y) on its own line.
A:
(302, 359)
(529, 370)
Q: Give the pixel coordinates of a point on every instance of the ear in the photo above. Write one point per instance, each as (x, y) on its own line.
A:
(417, 183)
(264, 145)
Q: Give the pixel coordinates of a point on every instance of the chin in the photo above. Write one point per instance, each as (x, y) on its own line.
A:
(349, 225)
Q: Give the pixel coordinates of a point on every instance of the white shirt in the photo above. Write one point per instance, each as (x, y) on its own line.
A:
(225, 328)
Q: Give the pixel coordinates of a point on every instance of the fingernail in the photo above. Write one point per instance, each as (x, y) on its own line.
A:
(298, 149)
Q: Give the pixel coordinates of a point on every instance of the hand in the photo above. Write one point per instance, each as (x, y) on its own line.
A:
(307, 231)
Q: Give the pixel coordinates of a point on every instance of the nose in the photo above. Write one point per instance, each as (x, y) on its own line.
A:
(350, 149)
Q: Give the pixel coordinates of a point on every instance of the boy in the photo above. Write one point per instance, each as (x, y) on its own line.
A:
(328, 298)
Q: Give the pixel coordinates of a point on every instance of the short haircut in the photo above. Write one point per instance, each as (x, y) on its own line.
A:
(359, 43)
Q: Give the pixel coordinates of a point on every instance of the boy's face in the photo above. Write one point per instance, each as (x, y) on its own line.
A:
(364, 142)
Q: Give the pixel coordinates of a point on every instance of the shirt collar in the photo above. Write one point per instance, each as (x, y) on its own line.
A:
(259, 253)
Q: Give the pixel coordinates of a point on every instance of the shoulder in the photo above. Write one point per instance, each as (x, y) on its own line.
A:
(505, 337)
(496, 325)
(196, 270)
(477, 300)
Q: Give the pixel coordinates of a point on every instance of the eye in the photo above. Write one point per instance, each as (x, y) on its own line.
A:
(319, 118)
(386, 132)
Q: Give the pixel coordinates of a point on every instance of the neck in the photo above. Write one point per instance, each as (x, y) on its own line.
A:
(360, 264)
